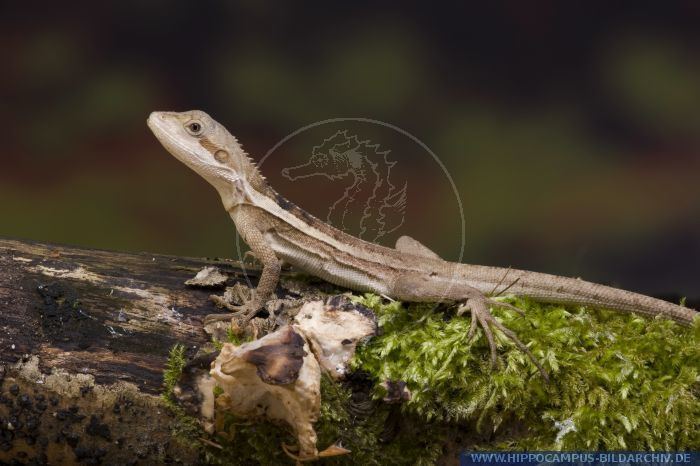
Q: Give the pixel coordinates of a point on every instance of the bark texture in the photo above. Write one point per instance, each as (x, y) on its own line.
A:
(84, 339)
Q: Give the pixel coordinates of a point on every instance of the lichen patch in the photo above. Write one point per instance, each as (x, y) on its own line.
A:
(21, 259)
(79, 273)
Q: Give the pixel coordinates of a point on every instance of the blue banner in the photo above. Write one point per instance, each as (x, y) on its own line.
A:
(579, 458)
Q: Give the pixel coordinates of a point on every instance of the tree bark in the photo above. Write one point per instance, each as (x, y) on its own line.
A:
(84, 339)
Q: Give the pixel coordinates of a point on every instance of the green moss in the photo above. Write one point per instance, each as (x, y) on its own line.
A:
(617, 381)
(186, 430)
(231, 337)
(370, 437)
(173, 370)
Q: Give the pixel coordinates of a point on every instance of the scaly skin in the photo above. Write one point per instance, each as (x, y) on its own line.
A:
(278, 232)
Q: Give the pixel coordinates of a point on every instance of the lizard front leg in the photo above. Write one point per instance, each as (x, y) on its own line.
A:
(266, 285)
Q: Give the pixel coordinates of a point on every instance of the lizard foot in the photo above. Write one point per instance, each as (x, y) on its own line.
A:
(242, 313)
(239, 321)
(478, 306)
(246, 310)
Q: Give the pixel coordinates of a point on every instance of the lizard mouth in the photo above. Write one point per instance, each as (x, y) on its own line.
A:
(158, 124)
(155, 120)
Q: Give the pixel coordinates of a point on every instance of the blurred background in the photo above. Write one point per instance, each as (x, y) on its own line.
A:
(572, 131)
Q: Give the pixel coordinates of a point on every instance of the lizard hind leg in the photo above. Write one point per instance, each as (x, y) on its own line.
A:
(479, 307)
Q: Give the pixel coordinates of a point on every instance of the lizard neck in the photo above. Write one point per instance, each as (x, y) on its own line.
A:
(251, 174)
(248, 186)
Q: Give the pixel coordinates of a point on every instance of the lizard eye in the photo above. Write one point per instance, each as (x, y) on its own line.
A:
(194, 128)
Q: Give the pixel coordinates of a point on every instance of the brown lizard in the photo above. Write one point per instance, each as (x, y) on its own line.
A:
(277, 232)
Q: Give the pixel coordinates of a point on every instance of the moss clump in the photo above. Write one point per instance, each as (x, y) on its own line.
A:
(173, 370)
(617, 381)
(378, 434)
(187, 428)
(231, 337)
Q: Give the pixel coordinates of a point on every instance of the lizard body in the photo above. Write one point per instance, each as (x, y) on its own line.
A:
(278, 231)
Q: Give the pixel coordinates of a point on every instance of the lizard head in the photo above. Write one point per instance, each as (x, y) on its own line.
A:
(204, 145)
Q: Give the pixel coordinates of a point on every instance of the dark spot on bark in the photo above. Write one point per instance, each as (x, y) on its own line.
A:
(64, 320)
(40, 406)
(24, 401)
(88, 455)
(279, 362)
(71, 438)
(70, 415)
(32, 423)
(98, 429)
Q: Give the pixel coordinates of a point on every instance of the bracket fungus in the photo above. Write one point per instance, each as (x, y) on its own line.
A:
(278, 377)
(274, 378)
(334, 329)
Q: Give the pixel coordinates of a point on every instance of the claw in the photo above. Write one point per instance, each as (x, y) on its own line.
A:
(478, 306)
(246, 311)
(495, 303)
(472, 329)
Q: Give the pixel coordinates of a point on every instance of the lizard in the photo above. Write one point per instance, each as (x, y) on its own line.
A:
(279, 232)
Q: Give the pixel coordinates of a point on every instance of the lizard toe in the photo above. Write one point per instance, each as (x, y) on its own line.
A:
(482, 316)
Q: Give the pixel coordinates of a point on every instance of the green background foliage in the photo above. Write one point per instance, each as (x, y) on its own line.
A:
(571, 131)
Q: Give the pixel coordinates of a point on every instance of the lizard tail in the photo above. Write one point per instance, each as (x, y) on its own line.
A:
(561, 290)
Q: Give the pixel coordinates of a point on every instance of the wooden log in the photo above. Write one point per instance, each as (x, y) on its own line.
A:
(84, 339)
